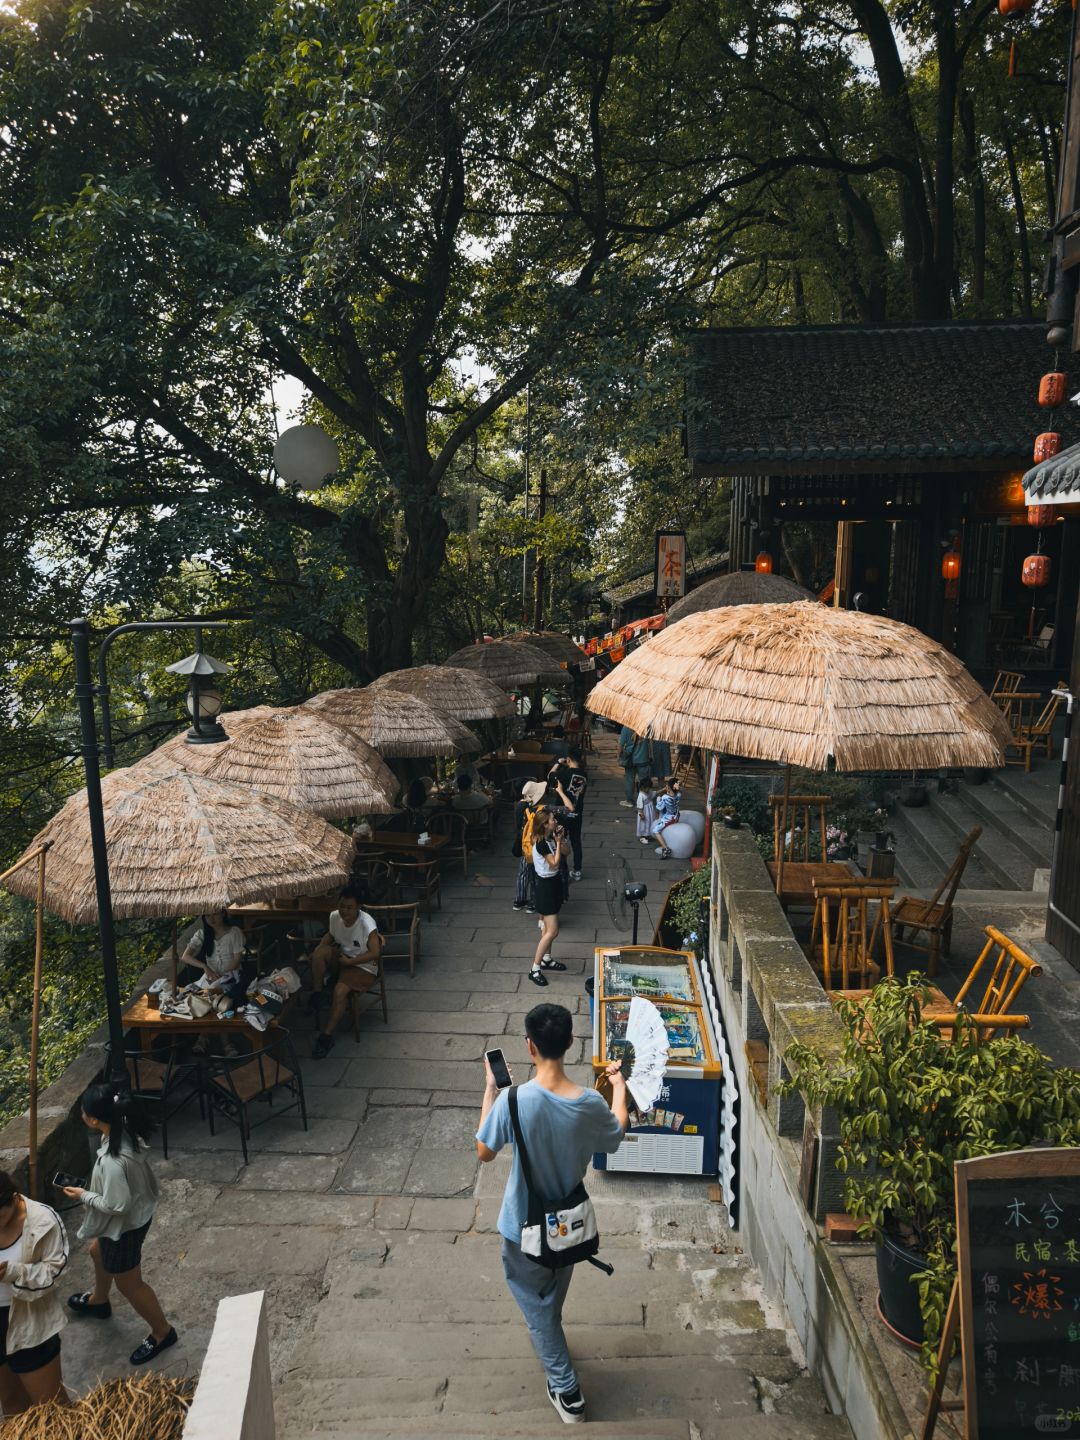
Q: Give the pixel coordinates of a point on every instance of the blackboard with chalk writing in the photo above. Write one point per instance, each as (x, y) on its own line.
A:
(1018, 1246)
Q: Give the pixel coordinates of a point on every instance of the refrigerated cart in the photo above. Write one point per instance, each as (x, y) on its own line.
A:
(681, 1134)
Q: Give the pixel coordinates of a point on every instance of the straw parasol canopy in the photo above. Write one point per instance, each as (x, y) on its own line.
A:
(741, 587)
(295, 755)
(182, 844)
(556, 646)
(805, 685)
(394, 723)
(457, 693)
(511, 664)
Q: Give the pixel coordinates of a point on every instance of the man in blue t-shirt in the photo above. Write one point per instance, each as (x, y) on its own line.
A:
(562, 1125)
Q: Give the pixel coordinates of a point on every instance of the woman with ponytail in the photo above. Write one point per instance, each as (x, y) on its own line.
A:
(120, 1201)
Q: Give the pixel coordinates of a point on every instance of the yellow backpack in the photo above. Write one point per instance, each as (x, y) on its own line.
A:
(530, 828)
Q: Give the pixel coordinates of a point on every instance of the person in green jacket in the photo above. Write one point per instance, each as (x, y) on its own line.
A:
(634, 758)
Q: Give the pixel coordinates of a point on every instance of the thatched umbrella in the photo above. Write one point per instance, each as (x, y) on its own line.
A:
(183, 844)
(510, 664)
(742, 587)
(806, 685)
(295, 755)
(557, 646)
(394, 723)
(457, 693)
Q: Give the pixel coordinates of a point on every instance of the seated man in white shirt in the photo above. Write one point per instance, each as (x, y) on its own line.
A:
(349, 952)
(466, 798)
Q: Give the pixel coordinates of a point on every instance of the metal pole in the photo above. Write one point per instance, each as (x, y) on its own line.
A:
(35, 1023)
(84, 694)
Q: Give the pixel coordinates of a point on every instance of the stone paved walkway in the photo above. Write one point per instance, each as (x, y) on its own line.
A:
(374, 1234)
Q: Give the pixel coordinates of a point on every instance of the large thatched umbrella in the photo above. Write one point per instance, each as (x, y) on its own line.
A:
(457, 693)
(182, 844)
(742, 587)
(555, 645)
(510, 664)
(394, 723)
(294, 755)
(806, 685)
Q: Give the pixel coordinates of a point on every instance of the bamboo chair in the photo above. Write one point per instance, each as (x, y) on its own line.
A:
(1013, 968)
(848, 939)
(421, 876)
(399, 926)
(1029, 734)
(935, 915)
(801, 822)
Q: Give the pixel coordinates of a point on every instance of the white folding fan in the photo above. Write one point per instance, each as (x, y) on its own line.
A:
(647, 1043)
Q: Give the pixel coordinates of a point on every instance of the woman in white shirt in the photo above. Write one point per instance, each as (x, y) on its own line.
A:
(33, 1253)
(217, 949)
(549, 853)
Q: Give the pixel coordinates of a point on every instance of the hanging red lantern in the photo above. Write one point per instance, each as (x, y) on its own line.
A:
(1046, 445)
(1052, 389)
(1036, 571)
(1041, 515)
(950, 563)
(763, 562)
(1014, 7)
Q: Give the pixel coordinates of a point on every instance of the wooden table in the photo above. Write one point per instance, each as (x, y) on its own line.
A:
(142, 1016)
(297, 907)
(801, 876)
(401, 843)
(938, 1003)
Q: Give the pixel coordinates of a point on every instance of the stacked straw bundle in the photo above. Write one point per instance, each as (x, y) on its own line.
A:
(152, 1407)
(457, 693)
(805, 685)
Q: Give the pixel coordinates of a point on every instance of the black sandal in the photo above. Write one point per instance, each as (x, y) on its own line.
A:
(81, 1306)
(151, 1347)
(548, 964)
(537, 977)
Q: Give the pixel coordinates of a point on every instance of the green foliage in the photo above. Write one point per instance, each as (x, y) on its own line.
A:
(686, 920)
(750, 803)
(909, 1106)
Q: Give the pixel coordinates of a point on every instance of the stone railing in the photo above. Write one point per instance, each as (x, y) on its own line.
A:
(784, 1154)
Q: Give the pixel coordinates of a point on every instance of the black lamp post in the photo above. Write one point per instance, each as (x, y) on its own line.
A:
(205, 729)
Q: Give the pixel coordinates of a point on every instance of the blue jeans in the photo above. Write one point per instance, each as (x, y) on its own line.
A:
(540, 1294)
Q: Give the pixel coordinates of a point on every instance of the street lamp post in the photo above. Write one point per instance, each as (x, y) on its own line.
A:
(93, 750)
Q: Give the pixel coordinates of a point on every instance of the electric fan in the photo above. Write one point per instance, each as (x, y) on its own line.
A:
(624, 894)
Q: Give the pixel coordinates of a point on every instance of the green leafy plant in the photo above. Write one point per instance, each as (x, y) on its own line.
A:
(684, 921)
(910, 1105)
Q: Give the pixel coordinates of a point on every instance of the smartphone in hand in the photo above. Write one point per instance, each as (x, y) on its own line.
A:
(499, 1068)
(63, 1181)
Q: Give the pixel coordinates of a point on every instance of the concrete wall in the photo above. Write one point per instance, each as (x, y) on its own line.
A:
(769, 995)
(234, 1400)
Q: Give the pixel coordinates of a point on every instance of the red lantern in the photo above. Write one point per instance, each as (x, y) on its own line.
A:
(1052, 389)
(763, 562)
(950, 564)
(1040, 515)
(1036, 571)
(1014, 7)
(1046, 445)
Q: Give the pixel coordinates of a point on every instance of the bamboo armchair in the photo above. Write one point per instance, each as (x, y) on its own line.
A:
(1013, 968)
(842, 919)
(934, 916)
(1028, 734)
(805, 813)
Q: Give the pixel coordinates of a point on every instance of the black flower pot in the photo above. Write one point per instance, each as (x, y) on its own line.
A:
(881, 840)
(731, 821)
(898, 1295)
(913, 794)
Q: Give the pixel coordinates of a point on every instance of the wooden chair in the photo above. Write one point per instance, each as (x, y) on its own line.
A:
(805, 815)
(358, 999)
(399, 926)
(1040, 647)
(1030, 732)
(237, 1082)
(1013, 968)
(374, 878)
(421, 876)
(166, 1085)
(480, 826)
(848, 939)
(935, 915)
(454, 825)
(1005, 687)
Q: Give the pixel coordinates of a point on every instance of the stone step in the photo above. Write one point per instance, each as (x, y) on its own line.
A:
(1008, 854)
(996, 809)
(928, 838)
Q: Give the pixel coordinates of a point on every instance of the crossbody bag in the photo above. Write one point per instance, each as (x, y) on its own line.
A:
(561, 1233)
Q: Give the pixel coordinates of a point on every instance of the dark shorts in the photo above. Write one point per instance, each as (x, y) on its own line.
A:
(25, 1362)
(549, 894)
(120, 1256)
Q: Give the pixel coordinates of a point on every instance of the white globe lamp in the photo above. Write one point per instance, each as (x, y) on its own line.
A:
(305, 455)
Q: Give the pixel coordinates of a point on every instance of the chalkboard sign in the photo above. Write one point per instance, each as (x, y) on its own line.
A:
(1018, 1246)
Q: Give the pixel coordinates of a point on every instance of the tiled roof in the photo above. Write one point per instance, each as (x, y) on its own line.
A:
(832, 398)
(1055, 479)
(643, 582)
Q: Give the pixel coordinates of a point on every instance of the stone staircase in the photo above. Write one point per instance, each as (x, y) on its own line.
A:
(1016, 812)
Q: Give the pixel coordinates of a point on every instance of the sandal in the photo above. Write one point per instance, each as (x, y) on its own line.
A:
(547, 963)
(151, 1347)
(537, 977)
(82, 1306)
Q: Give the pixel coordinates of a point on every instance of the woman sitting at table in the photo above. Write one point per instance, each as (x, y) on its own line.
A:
(416, 798)
(217, 949)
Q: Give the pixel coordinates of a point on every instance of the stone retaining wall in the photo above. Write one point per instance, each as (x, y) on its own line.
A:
(769, 996)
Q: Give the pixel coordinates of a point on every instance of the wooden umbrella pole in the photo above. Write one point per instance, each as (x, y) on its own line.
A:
(783, 830)
(35, 1021)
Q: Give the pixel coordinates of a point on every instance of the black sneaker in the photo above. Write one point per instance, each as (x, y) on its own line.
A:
(570, 1405)
(516, 906)
(323, 1045)
(151, 1347)
(529, 909)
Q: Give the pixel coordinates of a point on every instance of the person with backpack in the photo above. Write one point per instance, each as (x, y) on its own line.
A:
(526, 814)
(562, 1125)
(634, 758)
(120, 1201)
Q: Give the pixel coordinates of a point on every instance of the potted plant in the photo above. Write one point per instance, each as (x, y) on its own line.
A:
(908, 1106)
(730, 816)
(837, 843)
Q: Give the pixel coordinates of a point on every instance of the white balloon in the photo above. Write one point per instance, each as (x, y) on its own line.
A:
(695, 820)
(680, 840)
(305, 455)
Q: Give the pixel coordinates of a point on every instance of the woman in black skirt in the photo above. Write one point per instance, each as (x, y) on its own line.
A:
(120, 1201)
(549, 853)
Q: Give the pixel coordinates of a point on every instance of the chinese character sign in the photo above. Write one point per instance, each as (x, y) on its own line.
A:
(670, 564)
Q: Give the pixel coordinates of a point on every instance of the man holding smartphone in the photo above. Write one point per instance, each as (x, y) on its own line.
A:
(562, 1125)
